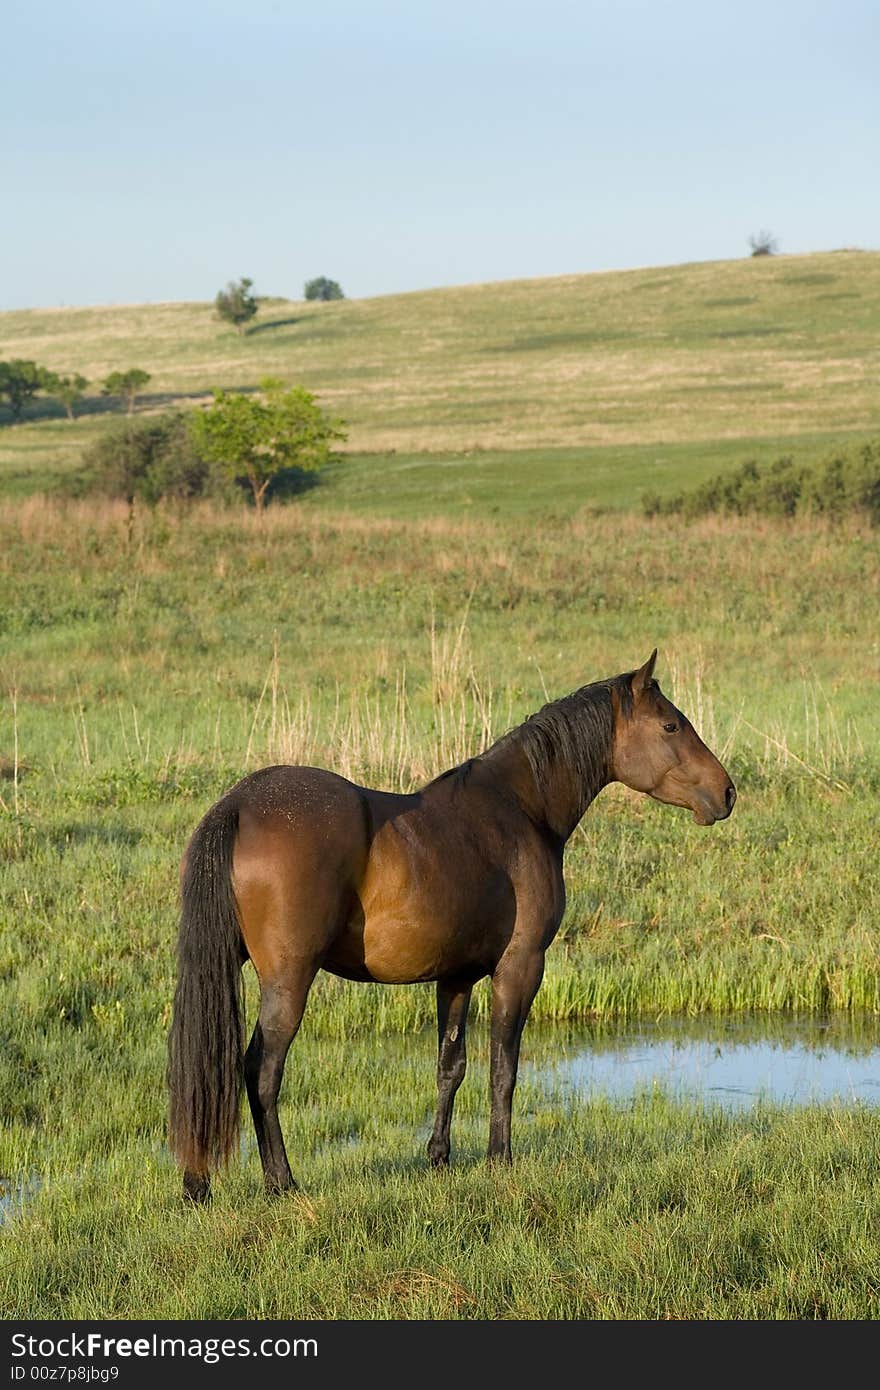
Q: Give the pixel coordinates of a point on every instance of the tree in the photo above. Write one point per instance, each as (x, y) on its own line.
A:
(126, 385)
(764, 244)
(322, 288)
(20, 380)
(68, 390)
(259, 437)
(236, 304)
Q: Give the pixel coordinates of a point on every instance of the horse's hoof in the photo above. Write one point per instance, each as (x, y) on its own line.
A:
(501, 1159)
(280, 1187)
(196, 1188)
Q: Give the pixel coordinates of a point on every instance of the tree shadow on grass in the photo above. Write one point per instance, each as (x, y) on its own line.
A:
(292, 483)
(47, 408)
(274, 323)
(287, 486)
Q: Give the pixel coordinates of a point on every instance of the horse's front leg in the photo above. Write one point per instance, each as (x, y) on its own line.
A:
(514, 986)
(453, 1001)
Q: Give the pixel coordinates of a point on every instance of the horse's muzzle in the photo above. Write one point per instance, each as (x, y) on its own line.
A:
(708, 812)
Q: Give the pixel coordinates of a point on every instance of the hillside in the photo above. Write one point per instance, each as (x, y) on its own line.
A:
(555, 392)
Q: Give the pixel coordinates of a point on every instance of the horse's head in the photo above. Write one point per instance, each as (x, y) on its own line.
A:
(658, 751)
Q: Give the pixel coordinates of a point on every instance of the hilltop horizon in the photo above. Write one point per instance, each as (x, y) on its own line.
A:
(269, 297)
(548, 391)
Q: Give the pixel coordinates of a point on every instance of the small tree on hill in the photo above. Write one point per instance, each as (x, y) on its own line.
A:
(20, 380)
(322, 288)
(69, 391)
(236, 304)
(127, 385)
(764, 244)
(258, 437)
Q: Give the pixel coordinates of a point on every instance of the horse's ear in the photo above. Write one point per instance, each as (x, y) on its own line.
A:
(642, 678)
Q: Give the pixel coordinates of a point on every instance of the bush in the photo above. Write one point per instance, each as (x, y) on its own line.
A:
(68, 390)
(152, 458)
(764, 244)
(20, 380)
(236, 304)
(126, 385)
(323, 289)
(846, 482)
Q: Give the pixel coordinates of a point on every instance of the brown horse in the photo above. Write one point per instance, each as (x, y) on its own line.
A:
(300, 871)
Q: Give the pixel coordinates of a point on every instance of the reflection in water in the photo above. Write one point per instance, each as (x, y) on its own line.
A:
(782, 1059)
(14, 1193)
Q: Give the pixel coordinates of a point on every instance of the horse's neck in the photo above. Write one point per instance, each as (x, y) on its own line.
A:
(558, 802)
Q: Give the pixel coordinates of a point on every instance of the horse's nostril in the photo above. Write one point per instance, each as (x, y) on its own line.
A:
(730, 797)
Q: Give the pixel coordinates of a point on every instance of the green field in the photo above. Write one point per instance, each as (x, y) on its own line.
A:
(392, 622)
(554, 394)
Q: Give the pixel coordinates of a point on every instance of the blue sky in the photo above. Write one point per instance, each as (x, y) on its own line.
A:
(154, 152)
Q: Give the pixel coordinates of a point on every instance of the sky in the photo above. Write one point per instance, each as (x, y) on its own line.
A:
(157, 151)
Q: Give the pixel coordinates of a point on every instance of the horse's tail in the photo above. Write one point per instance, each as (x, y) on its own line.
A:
(205, 1045)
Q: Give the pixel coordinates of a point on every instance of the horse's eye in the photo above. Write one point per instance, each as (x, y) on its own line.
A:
(671, 728)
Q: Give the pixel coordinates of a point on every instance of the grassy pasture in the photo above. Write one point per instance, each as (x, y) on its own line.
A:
(388, 625)
(557, 393)
(145, 669)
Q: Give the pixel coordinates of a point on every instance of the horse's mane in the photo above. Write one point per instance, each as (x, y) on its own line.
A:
(574, 733)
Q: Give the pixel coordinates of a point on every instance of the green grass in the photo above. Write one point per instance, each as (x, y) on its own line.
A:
(146, 669)
(394, 621)
(480, 483)
(547, 393)
(552, 482)
(147, 664)
(650, 1210)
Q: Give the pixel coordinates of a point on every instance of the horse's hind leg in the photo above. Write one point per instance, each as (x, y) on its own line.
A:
(453, 1000)
(281, 1011)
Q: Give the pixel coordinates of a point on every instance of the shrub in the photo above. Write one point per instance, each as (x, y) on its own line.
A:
(152, 458)
(763, 244)
(20, 380)
(322, 288)
(68, 390)
(236, 304)
(846, 482)
(127, 385)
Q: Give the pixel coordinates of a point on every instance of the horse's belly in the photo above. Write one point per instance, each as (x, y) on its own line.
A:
(400, 953)
(392, 951)
(421, 914)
